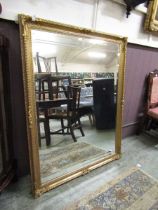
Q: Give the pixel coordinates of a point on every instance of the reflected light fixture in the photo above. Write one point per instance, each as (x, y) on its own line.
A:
(96, 55)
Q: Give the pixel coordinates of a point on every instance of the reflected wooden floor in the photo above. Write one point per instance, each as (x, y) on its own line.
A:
(64, 155)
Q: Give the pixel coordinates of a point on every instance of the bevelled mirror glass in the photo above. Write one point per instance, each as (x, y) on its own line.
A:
(73, 82)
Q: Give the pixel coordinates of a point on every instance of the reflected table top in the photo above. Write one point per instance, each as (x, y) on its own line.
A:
(46, 104)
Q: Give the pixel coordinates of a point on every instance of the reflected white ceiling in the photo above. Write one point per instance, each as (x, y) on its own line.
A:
(73, 49)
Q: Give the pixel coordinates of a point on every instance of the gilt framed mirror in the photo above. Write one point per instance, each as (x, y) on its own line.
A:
(74, 94)
(151, 21)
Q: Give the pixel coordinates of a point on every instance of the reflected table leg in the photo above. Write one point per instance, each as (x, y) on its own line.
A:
(47, 129)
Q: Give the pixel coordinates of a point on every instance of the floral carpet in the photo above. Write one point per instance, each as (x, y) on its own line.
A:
(133, 190)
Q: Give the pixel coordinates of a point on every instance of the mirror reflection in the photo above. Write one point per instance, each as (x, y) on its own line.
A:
(75, 81)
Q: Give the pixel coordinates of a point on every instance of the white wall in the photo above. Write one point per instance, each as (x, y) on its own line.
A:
(76, 67)
(102, 15)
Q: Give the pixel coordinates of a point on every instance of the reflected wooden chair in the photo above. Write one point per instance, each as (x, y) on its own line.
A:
(49, 87)
(42, 93)
(42, 85)
(151, 112)
(69, 112)
(42, 119)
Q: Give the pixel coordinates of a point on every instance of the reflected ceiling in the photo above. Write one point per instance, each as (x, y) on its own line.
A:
(73, 49)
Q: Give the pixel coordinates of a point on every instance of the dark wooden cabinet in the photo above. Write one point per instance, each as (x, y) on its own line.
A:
(7, 163)
(104, 104)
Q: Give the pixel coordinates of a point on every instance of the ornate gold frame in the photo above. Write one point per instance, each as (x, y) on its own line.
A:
(26, 24)
(151, 24)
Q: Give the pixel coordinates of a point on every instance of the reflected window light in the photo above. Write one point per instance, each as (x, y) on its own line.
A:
(96, 55)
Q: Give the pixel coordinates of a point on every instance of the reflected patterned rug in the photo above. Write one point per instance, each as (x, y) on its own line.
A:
(134, 190)
(58, 161)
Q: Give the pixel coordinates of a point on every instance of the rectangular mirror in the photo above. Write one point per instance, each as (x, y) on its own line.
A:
(74, 84)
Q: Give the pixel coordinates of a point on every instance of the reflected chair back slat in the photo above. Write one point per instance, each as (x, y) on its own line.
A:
(51, 87)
